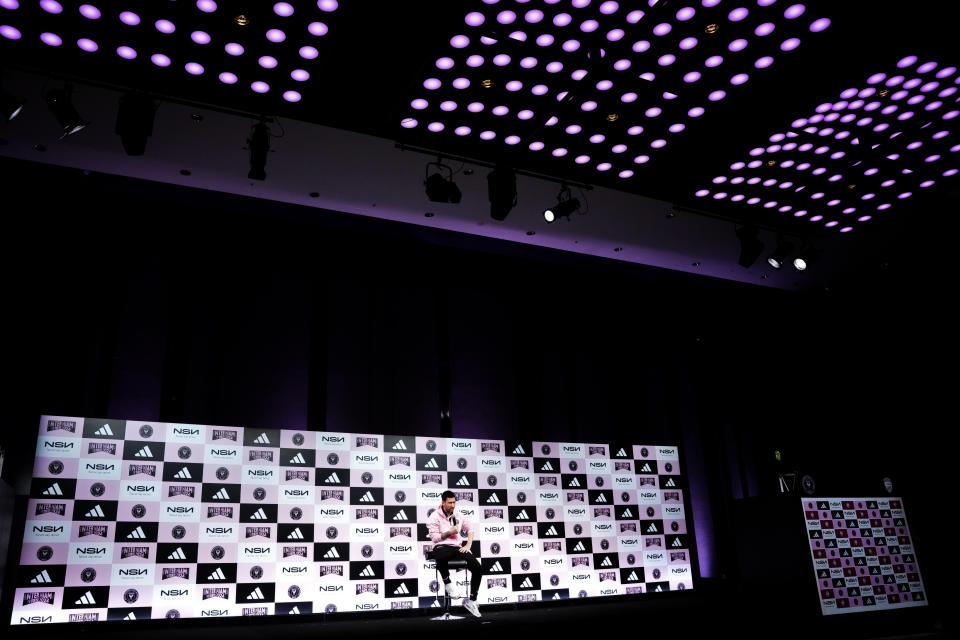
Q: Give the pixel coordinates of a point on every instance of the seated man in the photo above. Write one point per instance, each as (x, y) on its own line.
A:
(445, 527)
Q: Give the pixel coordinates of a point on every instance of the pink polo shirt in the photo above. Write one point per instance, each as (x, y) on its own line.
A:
(438, 522)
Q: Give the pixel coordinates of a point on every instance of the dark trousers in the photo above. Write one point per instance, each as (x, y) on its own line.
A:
(444, 553)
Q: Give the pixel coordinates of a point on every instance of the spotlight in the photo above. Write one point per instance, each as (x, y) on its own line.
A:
(502, 192)
(10, 106)
(440, 189)
(61, 106)
(750, 246)
(779, 256)
(259, 145)
(135, 122)
(807, 256)
(564, 207)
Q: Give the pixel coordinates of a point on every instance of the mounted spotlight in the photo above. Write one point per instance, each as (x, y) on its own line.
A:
(502, 192)
(10, 105)
(135, 122)
(60, 102)
(807, 256)
(564, 208)
(780, 255)
(750, 246)
(439, 188)
(259, 145)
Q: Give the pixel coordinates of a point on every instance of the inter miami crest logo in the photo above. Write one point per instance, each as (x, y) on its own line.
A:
(582, 594)
(184, 452)
(293, 591)
(146, 431)
(492, 480)
(55, 467)
(130, 596)
(525, 564)
(674, 527)
(97, 489)
(223, 473)
(401, 569)
(44, 553)
(366, 551)
(554, 580)
(656, 573)
(461, 463)
(172, 613)
(333, 459)
(668, 467)
(573, 465)
(545, 449)
(217, 553)
(578, 529)
(178, 532)
(298, 439)
(366, 477)
(644, 452)
(400, 496)
(495, 548)
(138, 511)
(431, 445)
(434, 586)
(625, 496)
(332, 532)
(604, 545)
(521, 497)
(259, 493)
(650, 512)
(296, 513)
(330, 608)
(88, 575)
(550, 514)
(631, 559)
(256, 572)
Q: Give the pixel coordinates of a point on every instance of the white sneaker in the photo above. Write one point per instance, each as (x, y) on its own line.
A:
(448, 588)
(472, 607)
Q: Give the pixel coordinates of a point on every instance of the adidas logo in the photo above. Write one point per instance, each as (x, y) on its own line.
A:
(177, 555)
(332, 478)
(669, 483)
(217, 575)
(401, 590)
(556, 596)
(137, 534)
(646, 468)
(580, 547)
(256, 594)
(262, 439)
(367, 572)
(652, 528)
(401, 515)
(42, 578)
(221, 495)
(436, 603)
(332, 553)
(676, 543)
(105, 430)
(96, 512)
(659, 589)
(295, 610)
(259, 514)
(493, 499)
(463, 482)
(621, 454)
(298, 459)
(130, 616)
(54, 490)
(606, 562)
(367, 497)
(526, 584)
(496, 567)
(86, 598)
(523, 515)
(183, 474)
(400, 446)
(627, 513)
(574, 483)
(552, 531)
(143, 453)
(295, 535)
(601, 498)
(632, 576)
(547, 466)
(519, 451)
(432, 464)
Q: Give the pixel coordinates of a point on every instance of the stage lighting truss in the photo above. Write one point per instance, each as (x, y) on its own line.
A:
(878, 145)
(601, 84)
(185, 38)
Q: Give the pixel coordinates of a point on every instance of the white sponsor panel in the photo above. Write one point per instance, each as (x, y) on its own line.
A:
(572, 450)
(333, 441)
(185, 433)
(46, 531)
(140, 490)
(257, 552)
(101, 552)
(517, 480)
(223, 453)
(549, 497)
(429, 497)
(400, 550)
(330, 514)
(99, 469)
(552, 564)
(491, 465)
(367, 531)
(260, 474)
(462, 447)
(219, 532)
(648, 496)
(654, 558)
(629, 543)
(179, 512)
(672, 512)
(58, 447)
(624, 481)
(597, 466)
(124, 574)
(368, 459)
(667, 453)
(296, 495)
(523, 547)
(576, 513)
(399, 478)
(603, 529)
(493, 531)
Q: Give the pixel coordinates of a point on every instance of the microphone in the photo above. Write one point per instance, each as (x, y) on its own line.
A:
(453, 520)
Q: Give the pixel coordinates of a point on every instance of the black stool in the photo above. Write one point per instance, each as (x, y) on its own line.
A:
(453, 565)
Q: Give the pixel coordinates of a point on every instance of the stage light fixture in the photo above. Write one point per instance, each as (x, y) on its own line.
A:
(259, 145)
(781, 253)
(807, 256)
(10, 105)
(502, 192)
(750, 246)
(135, 122)
(564, 208)
(438, 187)
(60, 103)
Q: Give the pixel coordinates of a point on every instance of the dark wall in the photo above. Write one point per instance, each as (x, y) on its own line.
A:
(133, 300)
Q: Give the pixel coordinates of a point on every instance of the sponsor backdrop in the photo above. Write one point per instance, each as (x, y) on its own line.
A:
(863, 554)
(132, 520)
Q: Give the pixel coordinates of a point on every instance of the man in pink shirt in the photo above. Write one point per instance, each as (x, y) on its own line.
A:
(446, 527)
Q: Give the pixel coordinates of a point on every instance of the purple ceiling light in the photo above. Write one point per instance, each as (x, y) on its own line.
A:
(686, 14)
(763, 63)
(447, 63)
(739, 79)
(267, 62)
(714, 61)
(160, 60)
(90, 12)
(604, 166)
(597, 138)
(626, 173)
(475, 19)
(51, 6)
(300, 75)
(559, 152)
(738, 45)
(819, 25)
(622, 65)
(688, 43)
(459, 42)
(794, 11)
(536, 146)
(533, 16)
(614, 35)
(292, 96)
(276, 35)
(640, 46)
(501, 60)
(200, 37)
(609, 7)
(51, 39)
(234, 49)
(738, 14)
(696, 112)
(539, 90)
(231, 78)
(765, 29)
(328, 5)
(127, 53)
(448, 105)
(790, 44)
(589, 105)
(506, 17)
(193, 68)
(666, 60)
(165, 26)
(460, 83)
(604, 85)
(129, 18)
(641, 159)
(435, 127)
(662, 29)
(582, 159)
(474, 61)
(87, 45)
(283, 9)
(260, 87)
(475, 107)
(554, 67)
(628, 97)
(9, 4)
(432, 84)
(545, 40)
(207, 6)
(462, 131)
(571, 45)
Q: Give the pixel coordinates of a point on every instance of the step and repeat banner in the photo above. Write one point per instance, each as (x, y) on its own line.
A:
(133, 520)
(863, 554)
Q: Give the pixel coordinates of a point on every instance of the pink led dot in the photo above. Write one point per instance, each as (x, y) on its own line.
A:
(604, 85)
(764, 29)
(832, 223)
(666, 60)
(628, 97)
(408, 123)
(160, 60)
(949, 172)
(461, 83)
(525, 114)
(677, 127)
(535, 146)
(309, 53)
(635, 130)
(688, 43)
(207, 6)
(658, 144)
(87, 11)
(432, 84)
(702, 192)
(462, 131)
(582, 159)
(129, 18)
(87, 45)
(164, 26)
(622, 65)
(487, 135)
(459, 42)
(635, 16)
(816, 218)
(554, 67)
(475, 19)
(419, 103)
(696, 112)
(328, 5)
(435, 127)
(545, 40)
(819, 25)
(234, 49)
(790, 44)
(292, 96)
(194, 68)
(500, 110)
(514, 85)
(738, 14)
(653, 112)
(260, 87)
(539, 90)
(719, 94)
(740, 78)
(200, 37)
(763, 63)
(641, 46)
(559, 152)
(11, 33)
(267, 62)
(51, 39)
(506, 17)
(283, 9)
(127, 53)
(720, 195)
(501, 60)
(642, 159)
(589, 105)
(738, 45)
(231, 78)
(626, 173)
(714, 61)
(691, 76)
(597, 138)
(51, 6)
(444, 63)
(662, 29)
(604, 166)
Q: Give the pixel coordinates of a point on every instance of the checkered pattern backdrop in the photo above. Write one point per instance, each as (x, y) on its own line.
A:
(131, 520)
(862, 554)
